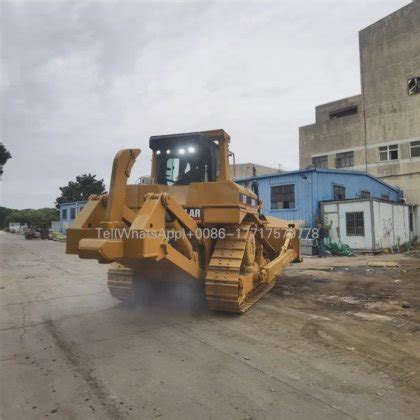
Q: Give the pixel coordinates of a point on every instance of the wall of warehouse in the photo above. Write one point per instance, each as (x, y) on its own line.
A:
(391, 227)
(68, 212)
(334, 215)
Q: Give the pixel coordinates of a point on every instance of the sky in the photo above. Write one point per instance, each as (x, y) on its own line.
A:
(81, 80)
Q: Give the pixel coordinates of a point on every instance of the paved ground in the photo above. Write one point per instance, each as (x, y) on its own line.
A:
(322, 344)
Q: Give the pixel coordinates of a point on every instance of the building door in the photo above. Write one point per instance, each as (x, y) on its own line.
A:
(329, 214)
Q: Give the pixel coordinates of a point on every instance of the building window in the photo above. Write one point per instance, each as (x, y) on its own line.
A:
(320, 161)
(388, 152)
(72, 213)
(64, 214)
(344, 160)
(385, 197)
(355, 224)
(81, 208)
(344, 112)
(413, 86)
(415, 148)
(283, 197)
(339, 192)
(365, 194)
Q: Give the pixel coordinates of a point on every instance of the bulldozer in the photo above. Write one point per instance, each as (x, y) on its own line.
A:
(192, 223)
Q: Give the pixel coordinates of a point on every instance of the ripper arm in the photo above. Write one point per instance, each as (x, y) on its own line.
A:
(286, 256)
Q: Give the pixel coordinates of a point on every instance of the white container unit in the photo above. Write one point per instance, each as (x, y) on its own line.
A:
(367, 224)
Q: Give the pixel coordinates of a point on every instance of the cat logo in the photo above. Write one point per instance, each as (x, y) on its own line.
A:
(195, 213)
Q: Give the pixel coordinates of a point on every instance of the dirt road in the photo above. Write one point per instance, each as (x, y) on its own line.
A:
(322, 344)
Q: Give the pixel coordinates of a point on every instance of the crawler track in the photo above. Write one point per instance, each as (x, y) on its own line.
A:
(223, 286)
(121, 283)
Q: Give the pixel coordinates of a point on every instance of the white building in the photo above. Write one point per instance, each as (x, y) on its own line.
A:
(368, 224)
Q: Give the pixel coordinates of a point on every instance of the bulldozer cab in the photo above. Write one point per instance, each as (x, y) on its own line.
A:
(182, 159)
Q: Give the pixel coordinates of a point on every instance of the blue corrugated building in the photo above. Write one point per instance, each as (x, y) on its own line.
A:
(296, 195)
(68, 212)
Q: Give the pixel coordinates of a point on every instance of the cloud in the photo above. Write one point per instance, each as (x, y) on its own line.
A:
(80, 80)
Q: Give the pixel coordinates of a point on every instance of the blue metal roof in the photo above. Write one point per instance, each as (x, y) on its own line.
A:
(71, 203)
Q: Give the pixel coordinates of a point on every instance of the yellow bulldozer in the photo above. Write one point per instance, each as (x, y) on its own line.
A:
(191, 223)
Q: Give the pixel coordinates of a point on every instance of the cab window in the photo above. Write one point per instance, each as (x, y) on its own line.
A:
(184, 166)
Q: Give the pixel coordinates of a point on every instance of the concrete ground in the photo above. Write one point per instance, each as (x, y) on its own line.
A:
(323, 344)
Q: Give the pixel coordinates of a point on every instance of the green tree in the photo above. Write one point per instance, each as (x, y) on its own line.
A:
(80, 190)
(4, 157)
(4, 212)
(31, 217)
